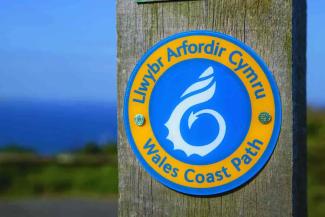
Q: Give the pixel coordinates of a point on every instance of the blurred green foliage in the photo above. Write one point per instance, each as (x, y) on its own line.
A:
(94, 148)
(91, 171)
(316, 163)
(57, 180)
(14, 148)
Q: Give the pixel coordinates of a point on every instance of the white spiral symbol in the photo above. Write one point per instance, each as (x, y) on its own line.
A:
(174, 121)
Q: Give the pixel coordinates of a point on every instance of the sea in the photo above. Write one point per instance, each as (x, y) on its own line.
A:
(52, 127)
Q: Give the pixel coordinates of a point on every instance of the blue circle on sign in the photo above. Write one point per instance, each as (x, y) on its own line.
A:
(230, 100)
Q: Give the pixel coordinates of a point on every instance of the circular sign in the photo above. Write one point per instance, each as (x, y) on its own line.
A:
(202, 112)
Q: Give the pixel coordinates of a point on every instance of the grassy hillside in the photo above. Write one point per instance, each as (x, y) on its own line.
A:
(316, 163)
(90, 172)
(58, 180)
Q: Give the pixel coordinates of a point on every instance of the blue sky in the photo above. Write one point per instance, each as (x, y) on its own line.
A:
(316, 53)
(65, 50)
(58, 50)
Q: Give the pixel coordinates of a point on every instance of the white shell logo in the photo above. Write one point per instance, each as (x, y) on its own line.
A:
(190, 100)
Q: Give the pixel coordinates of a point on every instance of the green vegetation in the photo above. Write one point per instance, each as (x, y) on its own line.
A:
(316, 163)
(57, 180)
(15, 149)
(91, 172)
(93, 148)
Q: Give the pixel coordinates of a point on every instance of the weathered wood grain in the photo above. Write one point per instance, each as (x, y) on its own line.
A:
(276, 30)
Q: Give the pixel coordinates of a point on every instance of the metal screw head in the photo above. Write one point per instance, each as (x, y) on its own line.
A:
(139, 119)
(264, 117)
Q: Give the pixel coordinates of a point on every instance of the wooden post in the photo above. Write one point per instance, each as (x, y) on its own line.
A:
(276, 30)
